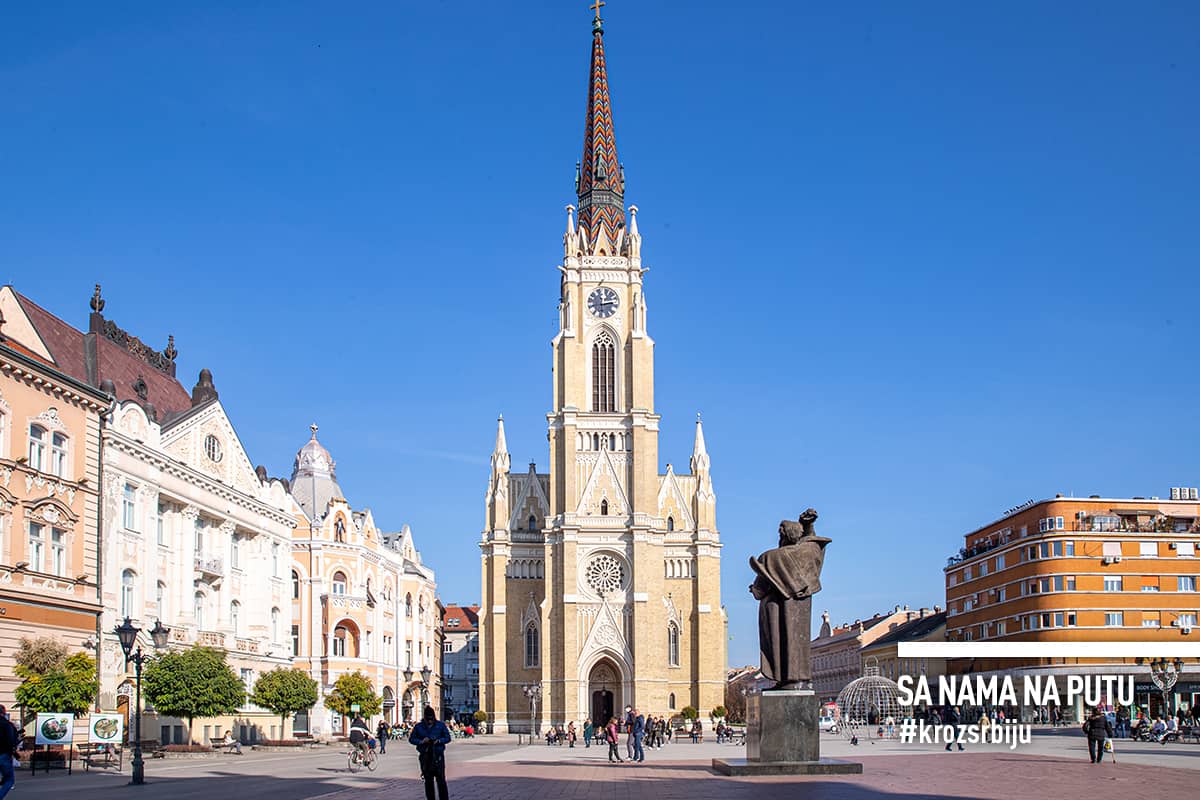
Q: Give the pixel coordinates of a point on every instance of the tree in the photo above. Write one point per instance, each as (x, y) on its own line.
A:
(481, 716)
(51, 680)
(286, 692)
(351, 689)
(720, 712)
(193, 683)
(689, 712)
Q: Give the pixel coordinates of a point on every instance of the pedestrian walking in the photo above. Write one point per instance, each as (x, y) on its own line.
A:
(430, 738)
(639, 733)
(612, 737)
(381, 733)
(10, 742)
(629, 733)
(953, 719)
(588, 730)
(1097, 728)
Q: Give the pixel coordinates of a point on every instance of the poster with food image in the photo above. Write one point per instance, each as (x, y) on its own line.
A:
(54, 728)
(105, 728)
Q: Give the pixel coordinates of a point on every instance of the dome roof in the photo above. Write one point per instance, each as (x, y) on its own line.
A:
(314, 478)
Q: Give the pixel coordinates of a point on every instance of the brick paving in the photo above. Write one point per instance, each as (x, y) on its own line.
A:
(969, 776)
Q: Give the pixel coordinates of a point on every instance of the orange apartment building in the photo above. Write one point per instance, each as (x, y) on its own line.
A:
(1082, 569)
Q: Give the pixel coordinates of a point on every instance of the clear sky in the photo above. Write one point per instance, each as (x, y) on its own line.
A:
(915, 262)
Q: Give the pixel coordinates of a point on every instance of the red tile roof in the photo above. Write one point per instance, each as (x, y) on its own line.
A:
(467, 616)
(67, 345)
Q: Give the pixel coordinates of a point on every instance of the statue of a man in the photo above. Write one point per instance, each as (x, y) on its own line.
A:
(785, 580)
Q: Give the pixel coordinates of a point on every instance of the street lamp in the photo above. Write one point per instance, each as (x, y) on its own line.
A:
(534, 692)
(1165, 673)
(426, 674)
(127, 633)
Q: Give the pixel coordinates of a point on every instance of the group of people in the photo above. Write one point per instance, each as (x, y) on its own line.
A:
(641, 731)
(1162, 729)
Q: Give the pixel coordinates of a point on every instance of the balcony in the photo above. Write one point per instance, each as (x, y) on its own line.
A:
(210, 568)
(348, 601)
(211, 639)
(247, 645)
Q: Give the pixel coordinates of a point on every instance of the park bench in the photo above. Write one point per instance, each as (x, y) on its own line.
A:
(99, 755)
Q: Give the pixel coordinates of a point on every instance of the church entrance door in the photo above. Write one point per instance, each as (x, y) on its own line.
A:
(604, 682)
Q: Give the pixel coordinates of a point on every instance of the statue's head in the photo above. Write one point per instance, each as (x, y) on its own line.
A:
(790, 532)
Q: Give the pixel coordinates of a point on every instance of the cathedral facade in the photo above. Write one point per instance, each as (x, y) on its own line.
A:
(601, 579)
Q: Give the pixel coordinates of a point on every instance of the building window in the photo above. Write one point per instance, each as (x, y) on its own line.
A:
(212, 448)
(408, 654)
(1114, 583)
(198, 610)
(1000, 562)
(127, 588)
(37, 447)
(198, 536)
(160, 599)
(1187, 620)
(532, 645)
(160, 526)
(1150, 622)
(1148, 549)
(1114, 619)
(603, 368)
(1150, 584)
(604, 508)
(295, 640)
(235, 552)
(447, 647)
(129, 508)
(670, 524)
(671, 701)
(37, 547)
(58, 455)
(532, 522)
(1187, 583)
(274, 559)
(673, 644)
(339, 641)
(339, 583)
(58, 551)
(1185, 549)
(295, 585)
(235, 613)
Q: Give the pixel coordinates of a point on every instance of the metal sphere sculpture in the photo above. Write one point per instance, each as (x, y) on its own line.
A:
(865, 705)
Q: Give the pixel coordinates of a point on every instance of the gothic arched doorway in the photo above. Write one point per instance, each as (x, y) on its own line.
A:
(604, 687)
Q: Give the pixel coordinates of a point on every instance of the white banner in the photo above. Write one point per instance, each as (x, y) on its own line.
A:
(54, 729)
(105, 728)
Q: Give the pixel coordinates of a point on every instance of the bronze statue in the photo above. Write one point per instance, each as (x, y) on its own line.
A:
(786, 579)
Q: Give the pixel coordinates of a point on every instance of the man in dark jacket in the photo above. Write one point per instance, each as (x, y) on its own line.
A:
(639, 734)
(10, 742)
(430, 737)
(951, 718)
(1097, 728)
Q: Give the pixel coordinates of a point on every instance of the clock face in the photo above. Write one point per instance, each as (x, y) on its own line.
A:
(603, 302)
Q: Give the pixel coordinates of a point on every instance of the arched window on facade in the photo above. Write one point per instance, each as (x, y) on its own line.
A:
(604, 508)
(274, 624)
(670, 523)
(58, 455)
(160, 599)
(671, 701)
(37, 447)
(673, 645)
(198, 610)
(127, 588)
(339, 641)
(604, 391)
(339, 582)
(295, 585)
(408, 605)
(235, 617)
(532, 645)
(532, 522)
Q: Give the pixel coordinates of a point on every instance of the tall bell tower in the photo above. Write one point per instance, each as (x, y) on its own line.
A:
(601, 578)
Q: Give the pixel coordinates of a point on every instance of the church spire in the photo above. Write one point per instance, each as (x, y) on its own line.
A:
(600, 181)
(500, 457)
(700, 461)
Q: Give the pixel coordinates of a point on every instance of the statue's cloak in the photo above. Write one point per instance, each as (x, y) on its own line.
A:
(786, 578)
(793, 570)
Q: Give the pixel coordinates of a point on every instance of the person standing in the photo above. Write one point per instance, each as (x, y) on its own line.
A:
(10, 742)
(381, 733)
(639, 734)
(629, 732)
(588, 730)
(430, 737)
(952, 719)
(612, 736)
(1097, 728)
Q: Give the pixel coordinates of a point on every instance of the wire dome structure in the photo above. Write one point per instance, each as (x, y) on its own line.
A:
(865, 705)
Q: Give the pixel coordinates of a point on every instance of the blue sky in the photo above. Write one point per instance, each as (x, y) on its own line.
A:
(916, 263)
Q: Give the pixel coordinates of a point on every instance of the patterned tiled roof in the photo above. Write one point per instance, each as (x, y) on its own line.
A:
(467, 616)
(601, 181)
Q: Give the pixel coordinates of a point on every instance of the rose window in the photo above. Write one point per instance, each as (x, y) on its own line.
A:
(605, 574)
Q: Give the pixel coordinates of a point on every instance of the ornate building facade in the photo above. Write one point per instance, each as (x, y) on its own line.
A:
(361, 601)
(601, 578)
(460, 661)
(191, 533)
(49, 479)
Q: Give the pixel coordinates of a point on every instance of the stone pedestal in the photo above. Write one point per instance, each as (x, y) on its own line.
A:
(782, 738)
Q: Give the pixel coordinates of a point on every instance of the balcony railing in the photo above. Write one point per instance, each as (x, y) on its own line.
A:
(210, 566)
(211, 639)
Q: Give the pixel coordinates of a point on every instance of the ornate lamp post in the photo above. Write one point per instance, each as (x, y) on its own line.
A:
(426, 676)
(534, 692)
(1165, 673)
(127, 633)
(406, 698)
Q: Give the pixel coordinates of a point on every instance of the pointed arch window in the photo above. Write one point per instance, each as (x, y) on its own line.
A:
(532, 522)
(673, 645)
(604, 508)
(532, 646)
(671, 701)
(670, 524)
(604, 361)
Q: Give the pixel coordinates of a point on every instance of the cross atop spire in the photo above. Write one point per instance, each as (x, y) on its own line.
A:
(596, 6)
(600, 181)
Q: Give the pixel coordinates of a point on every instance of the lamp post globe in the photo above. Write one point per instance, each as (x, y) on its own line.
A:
(426, 674)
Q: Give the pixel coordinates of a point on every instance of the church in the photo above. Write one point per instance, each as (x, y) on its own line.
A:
(602, 579)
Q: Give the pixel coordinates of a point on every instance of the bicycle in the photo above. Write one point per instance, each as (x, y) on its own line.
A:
(357, 758)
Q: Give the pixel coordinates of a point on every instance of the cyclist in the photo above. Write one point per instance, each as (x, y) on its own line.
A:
(359, 734)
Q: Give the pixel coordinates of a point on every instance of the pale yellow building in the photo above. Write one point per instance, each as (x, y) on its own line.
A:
(601, 578)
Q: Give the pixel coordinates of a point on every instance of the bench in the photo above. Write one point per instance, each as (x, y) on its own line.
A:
(229, 745)
(99, 755)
